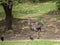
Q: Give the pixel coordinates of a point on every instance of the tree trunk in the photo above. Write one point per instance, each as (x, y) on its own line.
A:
(58, 5)
(8, 18)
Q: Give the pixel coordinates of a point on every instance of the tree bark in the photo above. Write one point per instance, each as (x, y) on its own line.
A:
(58, 5)
(8, 18)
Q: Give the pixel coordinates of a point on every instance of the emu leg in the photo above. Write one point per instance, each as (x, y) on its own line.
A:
(38, 33)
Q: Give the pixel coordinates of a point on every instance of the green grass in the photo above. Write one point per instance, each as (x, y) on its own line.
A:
(2, 13)
(34, 42)
(21, 10)
(24, 9)
(34, 8)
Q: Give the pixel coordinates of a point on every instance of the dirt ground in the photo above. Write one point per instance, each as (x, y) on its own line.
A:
(21, 31)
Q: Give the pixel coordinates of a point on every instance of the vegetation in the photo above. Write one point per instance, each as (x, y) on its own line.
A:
(45, 10)
(23, 10)
(34, 42)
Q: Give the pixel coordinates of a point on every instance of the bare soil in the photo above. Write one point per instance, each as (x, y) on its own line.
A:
(21, 31)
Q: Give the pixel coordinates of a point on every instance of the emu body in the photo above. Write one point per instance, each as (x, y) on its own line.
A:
(35, 26)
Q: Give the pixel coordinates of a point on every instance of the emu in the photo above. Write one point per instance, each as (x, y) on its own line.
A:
(35, 26)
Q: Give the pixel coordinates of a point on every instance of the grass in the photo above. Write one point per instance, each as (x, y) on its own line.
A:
(2, 13)
(23, 10)
(33, 42)
(39, 8)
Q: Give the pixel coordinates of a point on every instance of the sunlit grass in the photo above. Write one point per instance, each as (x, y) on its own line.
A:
(40, 8)
(33, 42)
(28, 8)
